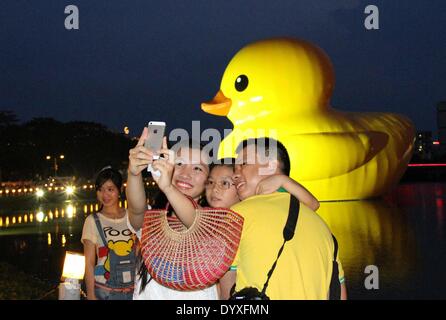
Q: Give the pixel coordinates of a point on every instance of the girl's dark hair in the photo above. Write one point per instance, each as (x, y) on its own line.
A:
(225, 162)
(108, 173)
(160, 202)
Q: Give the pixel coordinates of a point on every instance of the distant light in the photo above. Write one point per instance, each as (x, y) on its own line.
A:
(436, 143)
(69, 190)
(62, 156)
(126, 130)
(40, 216)
(48, 157)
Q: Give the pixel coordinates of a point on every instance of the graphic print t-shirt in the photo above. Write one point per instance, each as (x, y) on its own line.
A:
(119, 239)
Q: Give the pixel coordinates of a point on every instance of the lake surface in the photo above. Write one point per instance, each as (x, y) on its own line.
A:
(402, 234)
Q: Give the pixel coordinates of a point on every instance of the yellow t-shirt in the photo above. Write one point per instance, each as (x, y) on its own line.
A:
(304, 269)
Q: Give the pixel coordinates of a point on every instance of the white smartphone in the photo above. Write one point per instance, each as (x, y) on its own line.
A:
(155, 140)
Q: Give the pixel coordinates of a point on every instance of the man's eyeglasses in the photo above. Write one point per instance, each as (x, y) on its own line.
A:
(221, 184)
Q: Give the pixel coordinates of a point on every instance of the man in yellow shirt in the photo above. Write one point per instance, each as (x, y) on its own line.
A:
(304, 269)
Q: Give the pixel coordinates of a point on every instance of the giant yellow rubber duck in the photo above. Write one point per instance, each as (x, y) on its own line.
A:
(281, 88)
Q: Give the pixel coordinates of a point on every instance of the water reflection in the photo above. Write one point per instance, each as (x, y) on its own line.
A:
(372, 233)
(40, 216)
(67, 211)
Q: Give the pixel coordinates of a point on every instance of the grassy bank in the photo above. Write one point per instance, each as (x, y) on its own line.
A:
(17, 285)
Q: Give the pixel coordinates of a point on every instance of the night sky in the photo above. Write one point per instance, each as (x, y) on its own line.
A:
(135, 61)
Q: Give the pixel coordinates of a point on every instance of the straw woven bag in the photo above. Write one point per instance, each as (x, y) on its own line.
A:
(190, 259)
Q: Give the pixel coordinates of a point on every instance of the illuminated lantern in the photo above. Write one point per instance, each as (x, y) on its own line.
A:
(281, 88)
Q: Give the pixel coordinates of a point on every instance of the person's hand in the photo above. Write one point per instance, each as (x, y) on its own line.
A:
(165, 165)
(270, 184)
(140, 157)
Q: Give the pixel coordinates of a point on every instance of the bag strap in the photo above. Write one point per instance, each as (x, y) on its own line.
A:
(100, 230)
(335, 285)
(288, 233)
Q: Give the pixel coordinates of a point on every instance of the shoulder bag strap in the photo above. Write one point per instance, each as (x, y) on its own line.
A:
(335, 285)
(288, 233)
(99, 227)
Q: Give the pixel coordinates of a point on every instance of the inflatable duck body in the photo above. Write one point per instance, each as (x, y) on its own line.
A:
(281, 88)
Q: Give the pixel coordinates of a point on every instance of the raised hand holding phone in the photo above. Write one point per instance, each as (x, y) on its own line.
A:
(139, 156)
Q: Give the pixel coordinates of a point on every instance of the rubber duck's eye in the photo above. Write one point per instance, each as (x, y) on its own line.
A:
(241, 82)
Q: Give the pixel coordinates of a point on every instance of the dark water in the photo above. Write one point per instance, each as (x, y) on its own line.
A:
(403, 235)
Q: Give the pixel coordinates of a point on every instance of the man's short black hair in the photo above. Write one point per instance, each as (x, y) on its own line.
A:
(270, 145)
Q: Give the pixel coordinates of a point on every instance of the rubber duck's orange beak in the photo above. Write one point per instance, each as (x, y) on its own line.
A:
(218, 106)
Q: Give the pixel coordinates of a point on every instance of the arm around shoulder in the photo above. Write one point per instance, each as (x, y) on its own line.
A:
(301, 193)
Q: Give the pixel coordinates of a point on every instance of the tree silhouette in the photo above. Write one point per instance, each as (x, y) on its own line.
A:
(86, 146)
